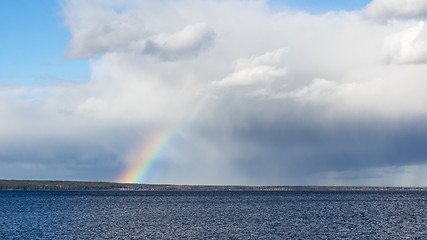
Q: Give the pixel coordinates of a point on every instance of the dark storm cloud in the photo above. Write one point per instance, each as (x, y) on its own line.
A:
(300, 141)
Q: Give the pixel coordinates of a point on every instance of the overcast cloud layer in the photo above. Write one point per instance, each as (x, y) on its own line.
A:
(254, 96)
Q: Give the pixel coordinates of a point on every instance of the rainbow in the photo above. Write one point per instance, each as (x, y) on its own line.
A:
(142, 163)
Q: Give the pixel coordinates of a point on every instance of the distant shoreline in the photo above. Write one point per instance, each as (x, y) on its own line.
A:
(46, 185)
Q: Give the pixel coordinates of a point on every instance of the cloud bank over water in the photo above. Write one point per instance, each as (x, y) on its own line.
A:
(255, 96)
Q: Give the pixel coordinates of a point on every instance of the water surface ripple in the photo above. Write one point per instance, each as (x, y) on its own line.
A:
(214, 215)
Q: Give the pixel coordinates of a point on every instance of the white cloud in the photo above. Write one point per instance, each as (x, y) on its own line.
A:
(388, 98)
(260, 69)
(384, 9)
(407, 46)
(318, 90)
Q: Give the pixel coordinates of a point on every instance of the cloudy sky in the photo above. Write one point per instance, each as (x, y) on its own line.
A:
(283, 92)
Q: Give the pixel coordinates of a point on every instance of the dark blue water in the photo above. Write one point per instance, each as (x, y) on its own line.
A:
(225, 215)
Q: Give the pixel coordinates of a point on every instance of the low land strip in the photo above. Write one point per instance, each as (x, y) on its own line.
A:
(37, 185)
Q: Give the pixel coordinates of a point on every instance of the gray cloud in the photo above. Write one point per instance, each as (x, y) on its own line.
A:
(384, 9)
(98, 29)
(187, 42)
(103, 30)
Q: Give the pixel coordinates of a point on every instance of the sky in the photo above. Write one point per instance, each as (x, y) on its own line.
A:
(250, 92)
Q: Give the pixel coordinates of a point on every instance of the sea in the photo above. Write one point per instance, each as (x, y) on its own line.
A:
(213, 215)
